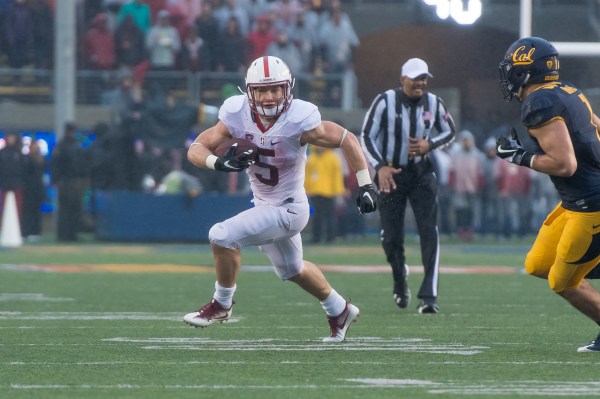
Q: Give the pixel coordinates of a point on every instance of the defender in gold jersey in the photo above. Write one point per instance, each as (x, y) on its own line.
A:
(560, 120)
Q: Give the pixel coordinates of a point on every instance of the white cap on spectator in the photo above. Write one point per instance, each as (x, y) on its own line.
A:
(490, 143)
(415, 67)
(465, 134)
(163, 13)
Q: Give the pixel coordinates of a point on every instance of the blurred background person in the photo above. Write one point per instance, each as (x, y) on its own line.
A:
(19, 34)
(232, 53)
(324, 183)
(543, 199)
(286, 50)
(42, 18)
(34, 192)
(129, 44)
(12, 170)
(514, 185)
(163, 44)
(70, 175)
(139, 12)
(490, 204)
(442, 163)
(208, 29)
(260, 38)
(466, 180)
(231, 9)
(195, 56)
(99, 45)
(338, 40)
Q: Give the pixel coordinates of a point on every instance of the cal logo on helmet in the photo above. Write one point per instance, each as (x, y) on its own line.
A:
(520, 57)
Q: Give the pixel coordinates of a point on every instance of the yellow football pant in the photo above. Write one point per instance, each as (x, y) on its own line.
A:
(566, 249)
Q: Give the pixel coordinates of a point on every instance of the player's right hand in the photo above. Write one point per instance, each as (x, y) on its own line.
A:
(234, 163)
(510, 149)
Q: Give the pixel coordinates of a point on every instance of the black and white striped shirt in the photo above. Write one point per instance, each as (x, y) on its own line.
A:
(394, 117)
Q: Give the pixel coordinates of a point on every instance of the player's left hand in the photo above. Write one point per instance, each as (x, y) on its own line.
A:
(510, 149)
(367, 199)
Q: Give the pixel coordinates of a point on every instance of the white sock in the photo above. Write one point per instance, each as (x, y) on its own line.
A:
(224, 295)
(334, 304)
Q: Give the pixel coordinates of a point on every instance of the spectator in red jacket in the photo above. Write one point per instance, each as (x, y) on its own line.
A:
(260, 38)
(99, 44)
(466, 180)
(514, 184)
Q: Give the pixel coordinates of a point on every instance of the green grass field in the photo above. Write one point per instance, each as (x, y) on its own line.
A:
(104, 321)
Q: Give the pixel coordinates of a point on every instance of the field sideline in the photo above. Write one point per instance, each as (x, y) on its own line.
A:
(100, 320)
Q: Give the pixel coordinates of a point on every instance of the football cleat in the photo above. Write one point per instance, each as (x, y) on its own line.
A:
(340, 324)
(430, 308)
(402, 298)
(401, 291)
(593, 346)
(208, 314)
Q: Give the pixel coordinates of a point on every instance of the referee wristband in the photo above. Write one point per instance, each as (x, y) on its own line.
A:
(210, 161)
(363, 177)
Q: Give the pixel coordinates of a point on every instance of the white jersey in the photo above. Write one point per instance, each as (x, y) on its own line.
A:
(277, 176)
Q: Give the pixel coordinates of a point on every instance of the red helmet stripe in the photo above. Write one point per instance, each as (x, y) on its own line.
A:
(266, 66)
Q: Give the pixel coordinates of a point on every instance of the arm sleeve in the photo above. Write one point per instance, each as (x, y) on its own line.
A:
(445, 127)
(371, 130)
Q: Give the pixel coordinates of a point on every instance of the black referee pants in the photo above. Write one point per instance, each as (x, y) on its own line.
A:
(416, 183)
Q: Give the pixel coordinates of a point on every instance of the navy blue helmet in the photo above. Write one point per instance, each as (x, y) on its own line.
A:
(528, 60)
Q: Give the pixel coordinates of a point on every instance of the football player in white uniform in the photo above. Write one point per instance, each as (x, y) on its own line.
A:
(281, 128)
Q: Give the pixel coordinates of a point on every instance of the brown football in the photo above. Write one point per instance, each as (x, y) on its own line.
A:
(242, 146)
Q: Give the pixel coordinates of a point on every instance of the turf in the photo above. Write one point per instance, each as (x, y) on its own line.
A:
(107, 335)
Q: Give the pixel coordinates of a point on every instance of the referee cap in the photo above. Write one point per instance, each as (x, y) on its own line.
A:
(415, 67)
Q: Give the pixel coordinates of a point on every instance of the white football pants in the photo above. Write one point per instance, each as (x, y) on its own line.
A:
(274, 229)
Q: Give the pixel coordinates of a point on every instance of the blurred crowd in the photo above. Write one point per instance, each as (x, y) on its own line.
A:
(481, 196)
(311, 36)
(143, 147)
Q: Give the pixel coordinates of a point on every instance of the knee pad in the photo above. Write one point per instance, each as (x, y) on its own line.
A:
(289, 271)
(218, 234)
(535, 267)
(553, 284)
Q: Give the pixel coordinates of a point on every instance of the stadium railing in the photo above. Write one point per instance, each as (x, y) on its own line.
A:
(35, 86)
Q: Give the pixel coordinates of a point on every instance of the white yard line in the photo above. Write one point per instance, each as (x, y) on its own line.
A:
(30, 297)
(481, 389)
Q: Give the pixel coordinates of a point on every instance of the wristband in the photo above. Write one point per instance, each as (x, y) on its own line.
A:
(363, 177)
(531, 162)
(526, 158)
(210, 161)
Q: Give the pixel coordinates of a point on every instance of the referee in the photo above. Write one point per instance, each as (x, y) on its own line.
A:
(396, 137)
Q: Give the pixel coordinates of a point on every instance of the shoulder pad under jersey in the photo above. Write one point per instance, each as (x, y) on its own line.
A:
(232, 105)
(305, 114)
(539, 108)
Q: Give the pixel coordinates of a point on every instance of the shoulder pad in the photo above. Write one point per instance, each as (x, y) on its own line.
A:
(301, 110)
(234, 104)
(539, 108)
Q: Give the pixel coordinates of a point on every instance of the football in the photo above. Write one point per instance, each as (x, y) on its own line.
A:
(242, 146)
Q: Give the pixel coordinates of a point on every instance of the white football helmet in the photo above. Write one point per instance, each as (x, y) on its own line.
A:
(269, 71)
